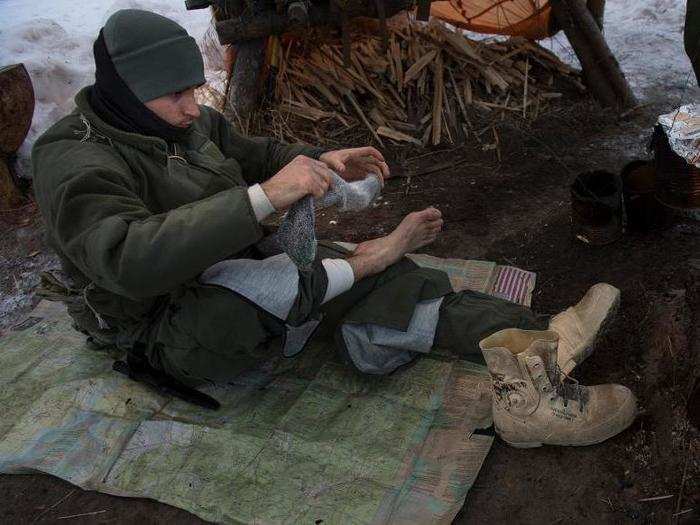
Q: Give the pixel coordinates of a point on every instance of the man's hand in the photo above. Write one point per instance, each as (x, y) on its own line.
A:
(301, 177)
(356, 163)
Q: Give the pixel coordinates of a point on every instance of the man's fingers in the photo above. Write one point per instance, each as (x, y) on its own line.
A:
(320, 181)
(372, 168)
(323, 171)
(378, 166)
(381, 168)
(385, 170)
(319, 186)
(336, 164)
(322, 166)
(367, 151)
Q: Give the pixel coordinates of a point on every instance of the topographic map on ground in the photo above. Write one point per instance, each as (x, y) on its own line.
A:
(295, 441)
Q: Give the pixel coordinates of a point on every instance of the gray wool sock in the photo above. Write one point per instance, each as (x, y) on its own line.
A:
(297, 234)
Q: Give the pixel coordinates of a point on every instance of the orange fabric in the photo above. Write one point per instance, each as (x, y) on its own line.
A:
(528, 18)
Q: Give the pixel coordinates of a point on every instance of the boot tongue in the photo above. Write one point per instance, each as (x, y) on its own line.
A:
(545, 350)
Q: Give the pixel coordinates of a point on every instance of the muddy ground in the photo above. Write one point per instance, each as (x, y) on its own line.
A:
(510, 205)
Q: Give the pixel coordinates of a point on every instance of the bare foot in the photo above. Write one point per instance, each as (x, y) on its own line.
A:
(416, 230)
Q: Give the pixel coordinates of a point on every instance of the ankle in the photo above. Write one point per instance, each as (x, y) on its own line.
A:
(365, 264)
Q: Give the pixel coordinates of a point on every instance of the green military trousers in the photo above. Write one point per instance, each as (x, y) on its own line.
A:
(209, 334)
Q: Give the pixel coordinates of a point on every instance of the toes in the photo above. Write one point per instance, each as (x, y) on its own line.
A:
(428, 214)
(434, 225)
(432, 213)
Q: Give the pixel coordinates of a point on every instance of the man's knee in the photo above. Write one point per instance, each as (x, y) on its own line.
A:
(211, 334)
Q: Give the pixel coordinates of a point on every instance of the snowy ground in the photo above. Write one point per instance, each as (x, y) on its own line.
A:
(54, 41)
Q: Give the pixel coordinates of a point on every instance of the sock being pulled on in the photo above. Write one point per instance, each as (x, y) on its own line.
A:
(297, 234)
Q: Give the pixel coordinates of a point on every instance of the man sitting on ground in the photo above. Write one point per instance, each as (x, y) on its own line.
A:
(143, 191)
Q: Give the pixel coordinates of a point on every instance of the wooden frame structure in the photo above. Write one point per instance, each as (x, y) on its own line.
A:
(581, 21)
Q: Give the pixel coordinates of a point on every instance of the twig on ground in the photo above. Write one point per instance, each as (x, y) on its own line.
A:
(683, 479)
(64, 498)
(81, 515)
(656, 498)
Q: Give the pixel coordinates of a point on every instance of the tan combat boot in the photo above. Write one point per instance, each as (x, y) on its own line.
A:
(579, 326)
(533, 406)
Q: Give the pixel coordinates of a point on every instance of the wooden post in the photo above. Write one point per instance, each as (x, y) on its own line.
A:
(603, 75)
(247, 70)
(597, 9)
(246, 76)
(16, 110)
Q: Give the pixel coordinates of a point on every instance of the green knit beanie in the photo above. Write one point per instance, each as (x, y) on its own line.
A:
(152, 54)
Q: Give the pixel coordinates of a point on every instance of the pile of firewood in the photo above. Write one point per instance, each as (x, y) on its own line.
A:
(419, 84)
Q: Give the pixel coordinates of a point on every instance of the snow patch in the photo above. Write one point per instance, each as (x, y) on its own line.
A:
(54, 42)
(646, 36)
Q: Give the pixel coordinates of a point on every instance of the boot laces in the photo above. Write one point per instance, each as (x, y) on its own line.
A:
(569, 388)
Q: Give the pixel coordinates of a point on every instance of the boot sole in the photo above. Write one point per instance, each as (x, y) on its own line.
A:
(602, 330)
(539, 444)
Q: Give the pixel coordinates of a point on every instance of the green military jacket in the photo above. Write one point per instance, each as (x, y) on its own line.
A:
(133, 218)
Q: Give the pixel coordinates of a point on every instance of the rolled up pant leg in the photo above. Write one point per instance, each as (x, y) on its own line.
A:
(451, 324)
(468, 317)
(409, 310)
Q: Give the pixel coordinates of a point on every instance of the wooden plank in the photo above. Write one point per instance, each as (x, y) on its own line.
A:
(494, 78)
(426, 135)
(393, 76)
(362, 116)
(437, 100)
(398, 65)
(397, 135)
(458, 95)
(419, 65)
(468, 92)
(366, 83)
(396, 96)
(377, 117)
(402, 126)
(459, 42)
(527, 69)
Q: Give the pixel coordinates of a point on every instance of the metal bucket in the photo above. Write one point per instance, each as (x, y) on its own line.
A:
(643, 211)
(597, 209)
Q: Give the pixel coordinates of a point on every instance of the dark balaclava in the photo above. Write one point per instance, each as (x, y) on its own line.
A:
(140, 56)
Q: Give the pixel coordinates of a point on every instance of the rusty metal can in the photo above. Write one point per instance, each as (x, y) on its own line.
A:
(677, 182)
(642, 209)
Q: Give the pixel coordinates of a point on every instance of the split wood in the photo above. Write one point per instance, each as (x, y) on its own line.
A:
(419, 88)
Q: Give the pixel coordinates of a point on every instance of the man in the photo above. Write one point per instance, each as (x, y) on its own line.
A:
(142, 191)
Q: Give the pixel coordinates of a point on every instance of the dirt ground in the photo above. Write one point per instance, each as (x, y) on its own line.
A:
(509, 204)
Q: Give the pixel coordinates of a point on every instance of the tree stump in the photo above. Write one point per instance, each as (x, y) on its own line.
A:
(604, 78)
(16, 111)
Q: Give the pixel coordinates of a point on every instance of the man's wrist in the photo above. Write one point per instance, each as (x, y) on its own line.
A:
(262, 207)
(316, 153)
